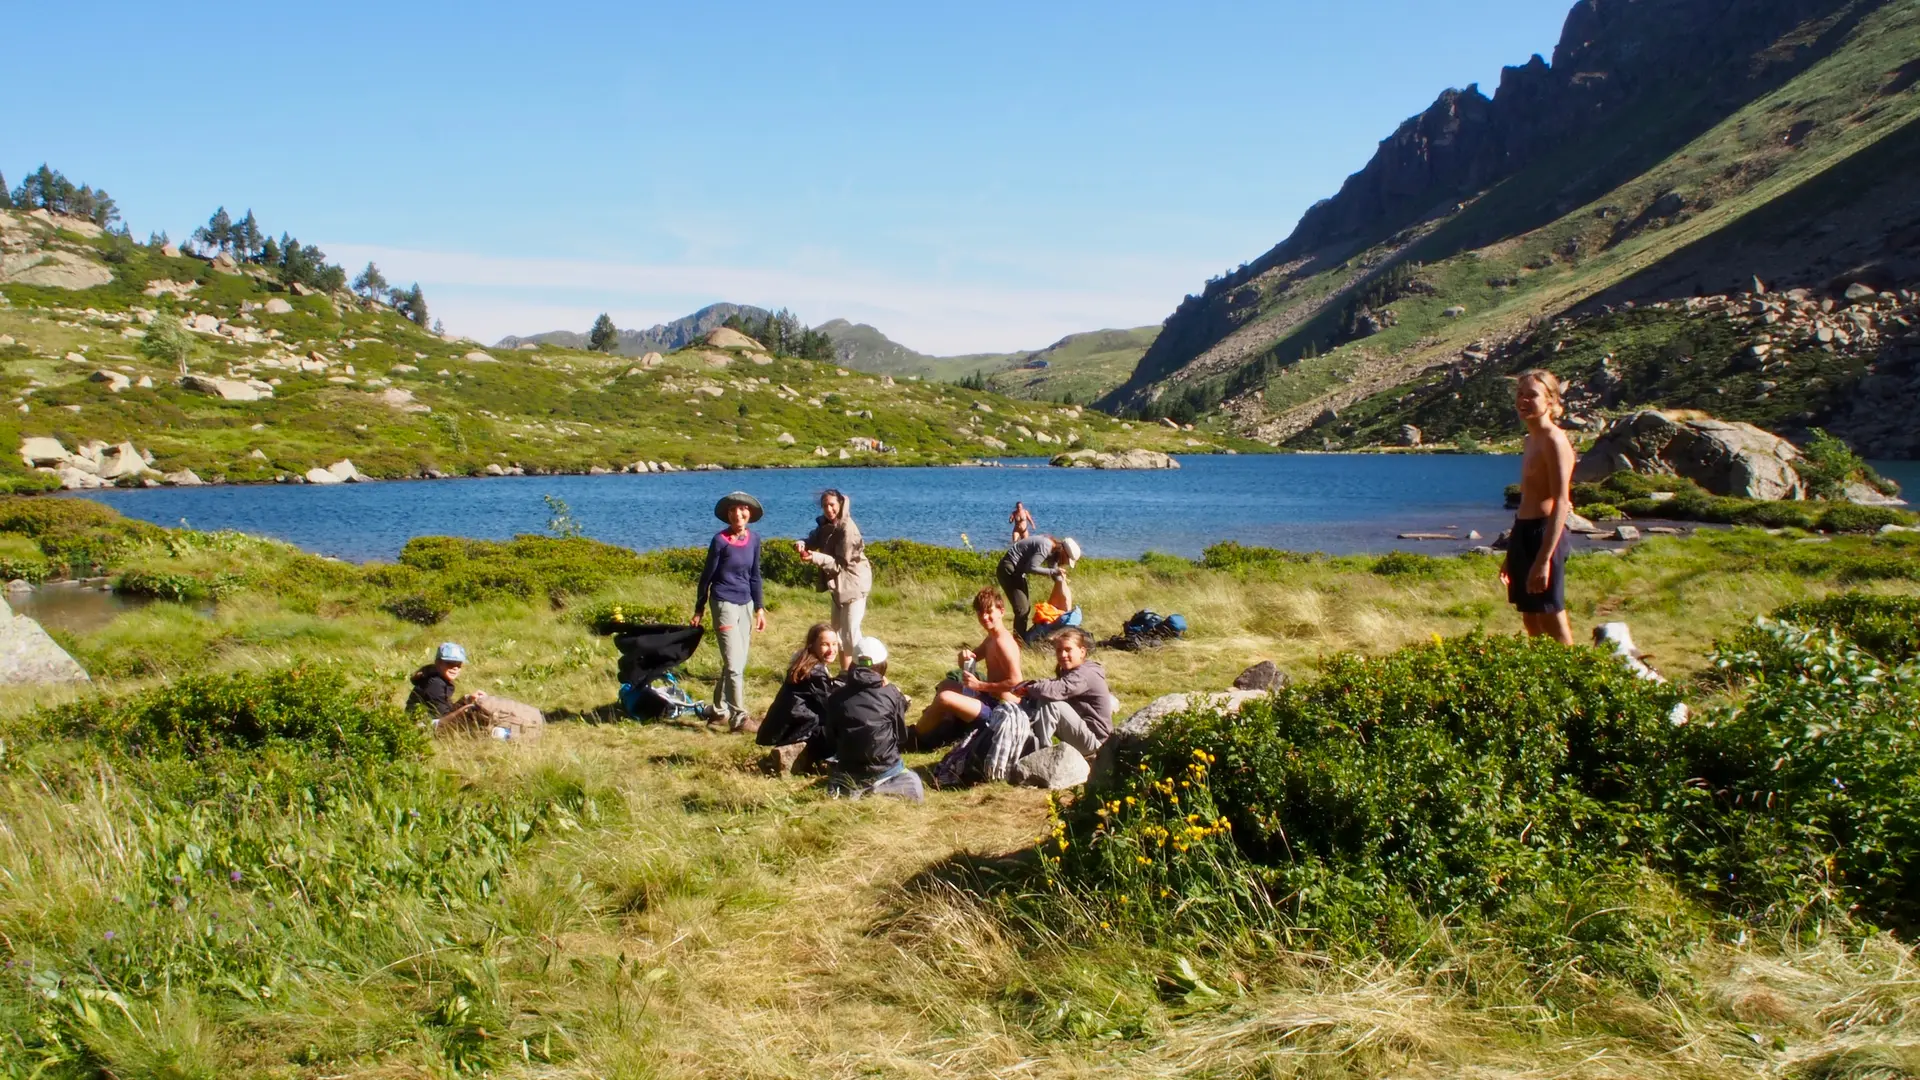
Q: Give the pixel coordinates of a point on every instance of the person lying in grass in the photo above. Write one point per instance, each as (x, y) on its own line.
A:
(866, 724)
(1075, 704)
(959, 703)
(433, 686)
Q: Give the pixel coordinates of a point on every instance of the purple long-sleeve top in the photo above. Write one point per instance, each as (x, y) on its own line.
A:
(732, 572)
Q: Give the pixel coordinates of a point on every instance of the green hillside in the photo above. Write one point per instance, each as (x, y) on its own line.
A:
(1078, 367)
(337, 377)
(1667, 199)
(865, 348)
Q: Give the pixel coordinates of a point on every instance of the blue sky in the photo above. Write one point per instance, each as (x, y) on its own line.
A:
(965, 177)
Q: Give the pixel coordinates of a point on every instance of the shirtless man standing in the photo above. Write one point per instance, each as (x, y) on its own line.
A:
(1536, 566)
(956, 705)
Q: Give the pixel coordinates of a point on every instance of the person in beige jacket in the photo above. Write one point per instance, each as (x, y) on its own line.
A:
(835, 546)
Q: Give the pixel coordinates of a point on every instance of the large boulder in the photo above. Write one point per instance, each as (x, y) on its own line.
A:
(28, 657)
(54, 270)
(224, 389)
(1127, 738)
(40, 450)
(1054, 767)
(1724, 457)
(1125, 459)
(725, 338)
(120, 461)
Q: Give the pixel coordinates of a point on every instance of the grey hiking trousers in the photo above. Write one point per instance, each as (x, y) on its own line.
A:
(733, 624)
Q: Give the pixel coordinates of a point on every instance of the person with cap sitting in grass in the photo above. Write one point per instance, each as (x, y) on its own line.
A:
(1033, 555)
(433, 686)
(866, 725)
(730, 581)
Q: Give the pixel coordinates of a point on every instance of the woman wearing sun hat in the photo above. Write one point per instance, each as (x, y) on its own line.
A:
(731, 582)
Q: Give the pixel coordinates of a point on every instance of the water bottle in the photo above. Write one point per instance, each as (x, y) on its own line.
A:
(971, 667)
(502, 733)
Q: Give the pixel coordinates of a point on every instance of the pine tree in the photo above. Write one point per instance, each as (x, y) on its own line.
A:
(247, 240)
(410, 302)
(217, 233)
(6, 200)
(604, 337)
(371, 282)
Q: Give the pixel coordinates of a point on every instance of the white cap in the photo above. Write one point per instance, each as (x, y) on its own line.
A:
(1073, 551)
(869, 652)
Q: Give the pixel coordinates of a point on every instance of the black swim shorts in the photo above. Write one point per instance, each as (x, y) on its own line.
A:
(1523, 547)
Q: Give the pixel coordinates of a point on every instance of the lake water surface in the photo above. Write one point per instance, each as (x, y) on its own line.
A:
(1305, 502)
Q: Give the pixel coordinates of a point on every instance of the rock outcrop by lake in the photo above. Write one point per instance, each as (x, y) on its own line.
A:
(28, 657)
(1125, 459)
(1725, 458)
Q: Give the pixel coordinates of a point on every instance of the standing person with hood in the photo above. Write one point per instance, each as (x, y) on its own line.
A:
(731, 582)
(1034, 555)
(837, 549)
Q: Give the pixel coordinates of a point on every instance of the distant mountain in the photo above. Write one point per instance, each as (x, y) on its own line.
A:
(663, 338)
(865, 348)
(1672, 150)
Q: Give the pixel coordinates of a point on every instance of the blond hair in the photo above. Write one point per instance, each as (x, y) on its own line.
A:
(1554, 385)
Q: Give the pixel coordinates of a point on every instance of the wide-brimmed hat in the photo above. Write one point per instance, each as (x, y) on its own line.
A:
(1071, 551)
(754, 509)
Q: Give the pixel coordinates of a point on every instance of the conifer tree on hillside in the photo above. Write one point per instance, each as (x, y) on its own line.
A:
(45, 189)
(410, 302)
(247, 239)
(371, 282)
(604, 337)
(6, 200)
(217, 233)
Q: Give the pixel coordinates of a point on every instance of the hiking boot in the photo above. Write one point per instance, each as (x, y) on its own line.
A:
(738, 723)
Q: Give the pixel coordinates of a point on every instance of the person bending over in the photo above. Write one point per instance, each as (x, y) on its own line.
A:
(433, 690)
(956, 705)
(1535, 571)
(866, 723)
(1075, 703)
(1034, 555)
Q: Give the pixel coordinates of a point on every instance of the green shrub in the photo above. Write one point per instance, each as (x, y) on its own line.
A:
(1886, 626)
(1441, 777)
(181, 588)
(1601, 511)
(1827, 465)
(1802, 796)
(419, 608)
(20, 558)
(1846, 517)
(1232, 556)
(301, 709)
(898, 560)
(620, 615)
(78, 536)
(1407, 564)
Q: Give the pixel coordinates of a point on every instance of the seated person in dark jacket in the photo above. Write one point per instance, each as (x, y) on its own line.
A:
(433, 686)
(866, 724)
(794, 716)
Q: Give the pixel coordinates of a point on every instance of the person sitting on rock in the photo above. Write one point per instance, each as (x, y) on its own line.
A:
(866, 724)
(1075, 705)
(795, 715)
(433, 689)
(1034, 555)
(958, 703)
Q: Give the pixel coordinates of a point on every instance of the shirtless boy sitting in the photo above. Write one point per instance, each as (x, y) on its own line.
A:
(959, 704)
(1536, 566)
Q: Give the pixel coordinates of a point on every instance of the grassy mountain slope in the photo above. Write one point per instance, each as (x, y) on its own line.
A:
(354, 380)
(1631, 204)
(1084, 367)
(865, 348)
